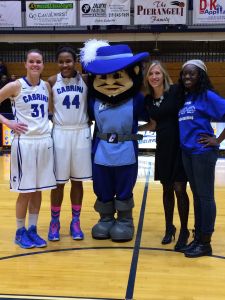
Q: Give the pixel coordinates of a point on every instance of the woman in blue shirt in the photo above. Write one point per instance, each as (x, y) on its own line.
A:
(200, 149)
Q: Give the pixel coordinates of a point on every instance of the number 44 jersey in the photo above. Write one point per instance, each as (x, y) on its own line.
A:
(70, 101)
(31, 107)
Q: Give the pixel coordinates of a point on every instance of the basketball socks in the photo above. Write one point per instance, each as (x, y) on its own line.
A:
(32, 220)
(76, 208)
(53, 233)
(55, 212)
(75, 229)
(20, 223)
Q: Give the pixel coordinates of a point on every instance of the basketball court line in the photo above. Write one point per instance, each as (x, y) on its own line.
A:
(36, 297)
(133, 267)
(98, 248)
(134, 262)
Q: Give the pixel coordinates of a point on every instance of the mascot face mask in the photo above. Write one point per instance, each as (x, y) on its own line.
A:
(115, 71)
(113, 84)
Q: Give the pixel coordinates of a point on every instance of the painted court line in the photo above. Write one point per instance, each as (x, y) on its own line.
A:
(36, 297)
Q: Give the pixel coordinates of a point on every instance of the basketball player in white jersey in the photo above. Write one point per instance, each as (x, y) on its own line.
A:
(72, 140)
(32, 147)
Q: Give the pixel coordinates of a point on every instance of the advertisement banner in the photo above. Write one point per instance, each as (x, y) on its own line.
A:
(51, 13)
(7, 136)
(160, 12)
(149, 137)
(149, 140)
(218, 128)
(146, 166)
(105, 12)
(208, 12)
(10, 14)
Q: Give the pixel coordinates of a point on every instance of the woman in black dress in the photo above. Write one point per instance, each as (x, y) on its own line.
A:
(163, 105)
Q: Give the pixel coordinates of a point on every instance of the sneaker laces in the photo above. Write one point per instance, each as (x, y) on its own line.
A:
(35, 237)
(25, 237)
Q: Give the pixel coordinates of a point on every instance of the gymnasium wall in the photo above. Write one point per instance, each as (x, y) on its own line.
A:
(216, 71)
(19, 70)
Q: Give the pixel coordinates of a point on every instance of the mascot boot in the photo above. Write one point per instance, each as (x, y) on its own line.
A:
(123, 229)
(106, 211)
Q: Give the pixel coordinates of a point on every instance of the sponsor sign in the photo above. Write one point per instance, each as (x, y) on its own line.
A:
(105, 12)
(209, 12)
(7, 136)
(149, 139)
(146, 166)
(51, 13)
(218, 128)
(160, 12)
(10, 14)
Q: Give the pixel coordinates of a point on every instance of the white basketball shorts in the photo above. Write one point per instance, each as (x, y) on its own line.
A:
(32, 164)
(72, 152)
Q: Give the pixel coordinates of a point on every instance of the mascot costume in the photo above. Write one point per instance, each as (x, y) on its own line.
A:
(115, 79)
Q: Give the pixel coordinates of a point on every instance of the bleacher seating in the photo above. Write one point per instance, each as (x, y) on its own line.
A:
(216, 71)
(18, 69)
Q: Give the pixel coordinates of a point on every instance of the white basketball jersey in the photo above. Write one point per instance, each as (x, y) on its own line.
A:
(31, 107)
(70, 101)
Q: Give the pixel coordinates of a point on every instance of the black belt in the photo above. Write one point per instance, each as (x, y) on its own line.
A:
(116, 137)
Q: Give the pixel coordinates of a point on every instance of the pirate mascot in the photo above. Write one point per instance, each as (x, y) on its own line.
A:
(115, 78)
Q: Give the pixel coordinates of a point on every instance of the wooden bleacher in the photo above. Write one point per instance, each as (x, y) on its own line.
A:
(19, 70)
(216, 71)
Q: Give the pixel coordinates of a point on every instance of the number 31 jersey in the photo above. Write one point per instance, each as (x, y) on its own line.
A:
(70, 101)
(31, 107)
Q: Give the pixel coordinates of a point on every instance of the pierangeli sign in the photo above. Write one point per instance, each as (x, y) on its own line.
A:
(160, 12)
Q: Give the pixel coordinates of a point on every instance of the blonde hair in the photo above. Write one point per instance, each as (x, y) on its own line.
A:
(167, 81)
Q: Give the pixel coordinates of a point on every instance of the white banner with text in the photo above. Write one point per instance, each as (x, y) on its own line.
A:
(160, 12)
(10, 14)
(104, 12)
(209, 12)
(51, 13)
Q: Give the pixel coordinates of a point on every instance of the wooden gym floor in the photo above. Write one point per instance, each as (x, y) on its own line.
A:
(142, 269)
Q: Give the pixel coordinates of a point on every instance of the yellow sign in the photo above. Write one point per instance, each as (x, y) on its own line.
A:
(7, 136)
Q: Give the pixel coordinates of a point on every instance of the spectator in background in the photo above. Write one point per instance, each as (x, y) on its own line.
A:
(5, 106)
(3, 80)
(3, 69)
(13, 77)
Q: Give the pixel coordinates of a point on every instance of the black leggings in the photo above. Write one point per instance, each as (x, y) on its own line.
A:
(182, 203)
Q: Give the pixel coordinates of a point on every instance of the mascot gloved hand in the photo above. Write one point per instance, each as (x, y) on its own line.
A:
(115, 79)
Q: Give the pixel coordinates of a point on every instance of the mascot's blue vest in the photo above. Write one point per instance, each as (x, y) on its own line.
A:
(121, 119)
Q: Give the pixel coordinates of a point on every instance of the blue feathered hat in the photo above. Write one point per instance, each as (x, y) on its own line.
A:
(98, 57)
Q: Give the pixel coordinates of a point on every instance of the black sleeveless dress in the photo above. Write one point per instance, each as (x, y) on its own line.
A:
(168, 160)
